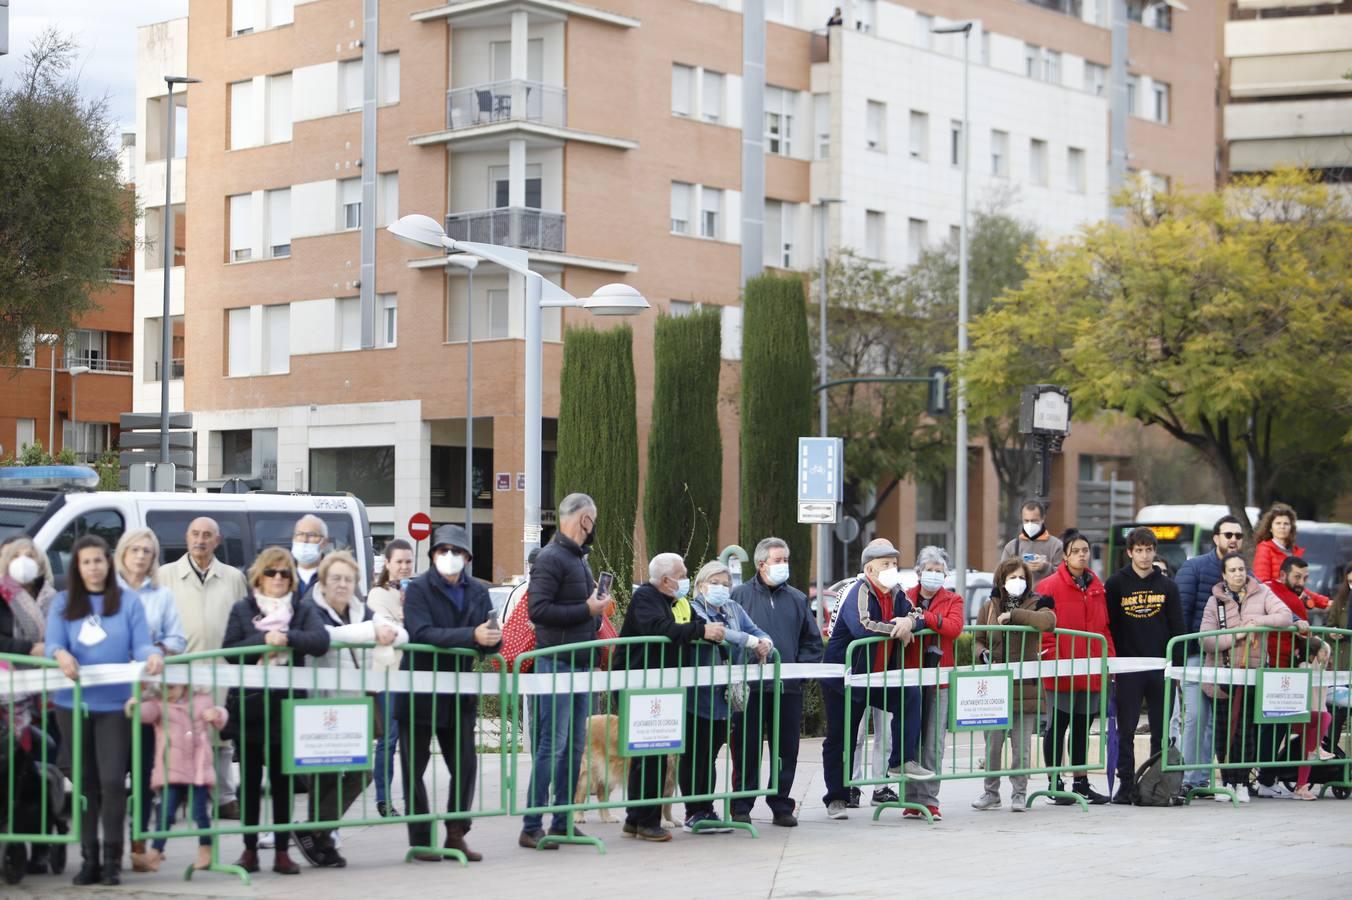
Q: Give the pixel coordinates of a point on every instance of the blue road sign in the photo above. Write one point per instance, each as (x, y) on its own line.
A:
(821, 463)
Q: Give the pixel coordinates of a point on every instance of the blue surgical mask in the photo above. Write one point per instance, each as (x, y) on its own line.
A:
(718, 594)
(778, 573)
(682, 587)
(306, 554)
(931, 581)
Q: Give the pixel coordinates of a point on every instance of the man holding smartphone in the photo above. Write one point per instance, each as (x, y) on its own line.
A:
(1034, 544)
(565, 607)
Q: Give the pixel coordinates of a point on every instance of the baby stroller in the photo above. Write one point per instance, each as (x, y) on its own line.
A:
(24, 813)
(1321, 773)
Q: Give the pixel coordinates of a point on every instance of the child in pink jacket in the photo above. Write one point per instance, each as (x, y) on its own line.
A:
(184, 764)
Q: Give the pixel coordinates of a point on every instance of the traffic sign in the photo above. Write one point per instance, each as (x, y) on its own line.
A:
(139, 421)
(816, 513)
(821, 471)
(150, 440)
(420, 526)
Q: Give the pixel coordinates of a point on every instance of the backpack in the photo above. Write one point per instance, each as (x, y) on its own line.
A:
(1156, 787)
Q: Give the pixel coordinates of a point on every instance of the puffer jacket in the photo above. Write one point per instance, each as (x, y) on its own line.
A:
(358, 626)
(943, 614)
(183, 739)
(1077, 609)
(1239, 651)
(1034, 612)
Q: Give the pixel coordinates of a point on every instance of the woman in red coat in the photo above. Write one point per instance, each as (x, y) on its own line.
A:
(1276, 540)
(1073, 700)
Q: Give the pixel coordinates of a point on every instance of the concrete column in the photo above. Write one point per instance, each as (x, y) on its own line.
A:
(509, 516)
(520, 61)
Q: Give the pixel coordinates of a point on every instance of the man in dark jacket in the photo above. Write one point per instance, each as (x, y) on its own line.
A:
(444, 607)
(650, 615)
(1143, 615)
(1196, 578)
(781, 611)
(565, 609)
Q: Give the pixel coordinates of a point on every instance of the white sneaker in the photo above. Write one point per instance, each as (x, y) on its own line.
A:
(837, 809)
(267, 840)
(1243, 793)
(914, 770)
(1278, 791)
(987, 801)
(1220, 798)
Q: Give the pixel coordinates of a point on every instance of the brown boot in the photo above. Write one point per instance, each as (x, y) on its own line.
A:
(282, 864)
(455, 840)
(139, 861)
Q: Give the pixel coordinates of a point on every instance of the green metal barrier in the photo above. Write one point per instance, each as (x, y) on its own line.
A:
(1261, 706)
(953, 723)
(35, 804)
(625, 699)
(277, 735)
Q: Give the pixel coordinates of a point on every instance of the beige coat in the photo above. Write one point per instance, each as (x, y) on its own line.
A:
(384, 602)
(203, 605)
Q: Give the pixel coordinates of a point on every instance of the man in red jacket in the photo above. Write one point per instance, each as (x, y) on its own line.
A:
(941, 611)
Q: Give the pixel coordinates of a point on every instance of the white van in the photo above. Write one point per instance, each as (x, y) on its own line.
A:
(249, 522)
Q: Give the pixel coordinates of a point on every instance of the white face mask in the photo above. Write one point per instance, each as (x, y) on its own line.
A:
(931, 581)
(450, 564)
(718, 594)
(890, 578)
(1015, 587)
(1032, 529)
(306, 554)
(24, 569)
(778, 573)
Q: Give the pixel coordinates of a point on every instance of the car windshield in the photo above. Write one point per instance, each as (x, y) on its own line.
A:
(16, 516)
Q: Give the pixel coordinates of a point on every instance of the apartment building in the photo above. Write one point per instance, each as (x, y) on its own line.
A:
(1288, 97)
(609, 141)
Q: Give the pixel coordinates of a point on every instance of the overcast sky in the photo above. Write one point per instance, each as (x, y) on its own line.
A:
(106, 33)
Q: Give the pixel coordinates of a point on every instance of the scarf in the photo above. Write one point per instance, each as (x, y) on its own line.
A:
(275, 612)
(29, 622)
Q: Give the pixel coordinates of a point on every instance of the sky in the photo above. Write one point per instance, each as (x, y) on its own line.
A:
(106, 33)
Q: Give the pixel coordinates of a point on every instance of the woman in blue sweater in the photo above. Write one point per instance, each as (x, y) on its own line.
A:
(91, 623)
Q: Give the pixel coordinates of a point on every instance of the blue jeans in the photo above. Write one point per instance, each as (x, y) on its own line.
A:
(559, 730)
(173, 796)
(1198, 729)
(386, 745)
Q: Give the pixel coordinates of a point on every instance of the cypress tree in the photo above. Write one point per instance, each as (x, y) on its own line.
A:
(598, 442)
(776, 411)
(684, 488)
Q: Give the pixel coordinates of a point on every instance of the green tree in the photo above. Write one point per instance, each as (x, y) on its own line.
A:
(683, 492)
(598, 442)
(64, 216)
(777, 406)
(1223, 318)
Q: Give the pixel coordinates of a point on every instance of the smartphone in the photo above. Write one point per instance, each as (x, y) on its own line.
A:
(493, 619)
(603, 584)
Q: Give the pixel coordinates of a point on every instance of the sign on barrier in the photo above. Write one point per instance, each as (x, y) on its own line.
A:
(652, 722)
(1283, 696)
(980, 701)
(327, 735)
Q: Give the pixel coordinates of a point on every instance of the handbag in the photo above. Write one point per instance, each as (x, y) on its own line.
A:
(518, 637)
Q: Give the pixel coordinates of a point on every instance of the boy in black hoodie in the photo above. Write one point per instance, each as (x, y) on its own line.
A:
(1144, 612)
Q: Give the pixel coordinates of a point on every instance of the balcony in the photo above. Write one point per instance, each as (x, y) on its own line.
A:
(175, 370)
(97, 363)
(506, 101)
(511, 226)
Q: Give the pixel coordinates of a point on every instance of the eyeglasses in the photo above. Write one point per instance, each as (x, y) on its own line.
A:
(1232, 535)
(277, 573)
(309, 537)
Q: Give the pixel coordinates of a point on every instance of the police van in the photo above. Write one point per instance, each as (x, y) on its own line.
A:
(55, 508)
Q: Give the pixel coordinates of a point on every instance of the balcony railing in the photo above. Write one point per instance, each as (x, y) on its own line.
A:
(175, 369)
(502, 101)
(511, 226)
(120, 275)
(97, 363)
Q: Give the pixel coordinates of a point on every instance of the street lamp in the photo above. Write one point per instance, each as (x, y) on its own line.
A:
(823, 536)
(608, 300)
(960, 479)
(167, 238)
(469, 264)
(1044, 415)
(75, 372)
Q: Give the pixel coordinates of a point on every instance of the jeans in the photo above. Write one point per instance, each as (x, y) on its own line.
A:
(200, 797)
(839, 731)
(914, 706)
(559, 725)
(1198, 728)
(697, 769)
(750, 729)
(386, 746)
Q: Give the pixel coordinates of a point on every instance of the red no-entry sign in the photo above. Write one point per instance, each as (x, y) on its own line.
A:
(420, 526)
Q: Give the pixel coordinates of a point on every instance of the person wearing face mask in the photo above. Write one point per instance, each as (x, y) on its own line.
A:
(1035, 545)
(1143, 615)
(26, 593)
(309, 541)
(1012, 602)
(1195, 579)
(706, 727)
(565, 608)
(1073, 700)
(782, 612)
(444, 607)
(874, 606)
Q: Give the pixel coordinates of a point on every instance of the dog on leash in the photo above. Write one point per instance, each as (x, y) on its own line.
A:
(603, 769)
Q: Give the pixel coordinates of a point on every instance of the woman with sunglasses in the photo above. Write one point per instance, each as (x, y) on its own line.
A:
(270, 616)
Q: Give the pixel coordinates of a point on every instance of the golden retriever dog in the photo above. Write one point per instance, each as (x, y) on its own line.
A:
(603, 769)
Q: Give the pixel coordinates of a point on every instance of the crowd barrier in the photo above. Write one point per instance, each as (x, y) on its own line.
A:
(1008, 714)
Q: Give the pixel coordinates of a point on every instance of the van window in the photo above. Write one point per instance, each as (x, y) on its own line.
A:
(171, 527)
(106, 523)
(274, 529)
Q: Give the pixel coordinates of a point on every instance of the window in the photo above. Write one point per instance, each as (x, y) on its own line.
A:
(1051, 66)
(1075, 169)
(985, 48)
(1159, 184)
(1000, 153)
(387, 325)
(916, 233)
(277, 335)
(682, 90)
(680, 207)
(25, 433)
(241, 16)
(1095, 79)
(280, 12)
(279, 108)
(710, 206)
(499, 315)
(27, 350)
(924, 33)
(87, 347)
(1037, 162)
(954, 142)
(778, 234)
(877, 126)
(387, 198)
(241, 115)
(349, 203)
(1151, 14)
(1032, 60)
(677, 308)
(500, 180)
(500, 62)
(874, 236)
(448, 477)
(1133, 86)
(387, 77)
(821, 117)
(106, 523)
(367, 472)
(778, 120)
(279, 222)
(347, 327)
(274, 529)
(350, 85)
(918, 135)
(1160, 94)
(241, 227)
(865, 14)
(238, 336)
(711, 97)
(171, 526)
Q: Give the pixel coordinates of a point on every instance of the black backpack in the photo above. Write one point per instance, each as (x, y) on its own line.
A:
(1155, 786)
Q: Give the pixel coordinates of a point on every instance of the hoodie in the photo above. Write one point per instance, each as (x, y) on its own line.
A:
(1143, 613)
